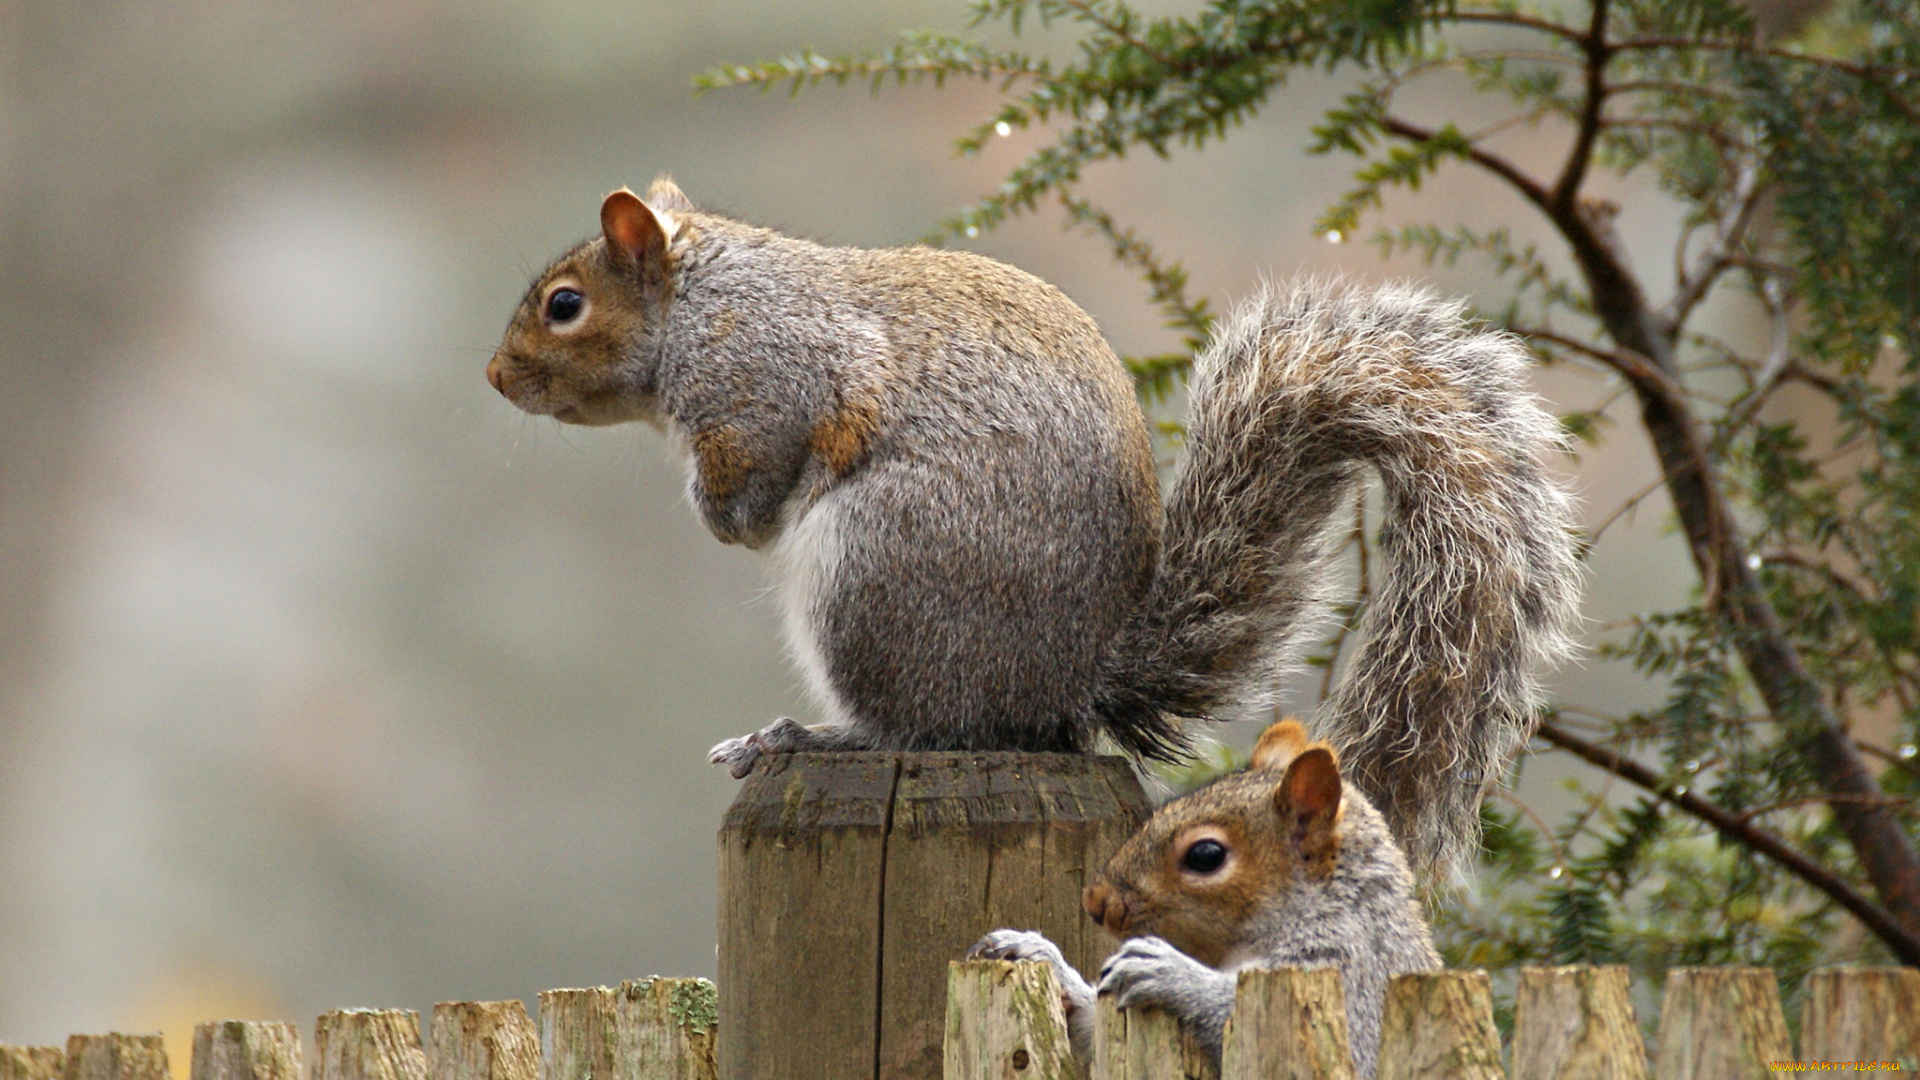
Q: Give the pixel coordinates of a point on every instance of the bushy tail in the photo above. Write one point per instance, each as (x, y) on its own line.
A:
(1303, 388)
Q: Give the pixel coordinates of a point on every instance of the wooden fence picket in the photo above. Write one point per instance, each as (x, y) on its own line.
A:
(1576, 1023)
(1862, 1014)
(1144, 1044)
(576, 1034)
(1287, 1024)
(1004, 1019)
(1720, 1022)
(1438, 1025)
(482, 1040)
(368, 1044)
(246, 1050)
(116, 1057)
(32, 1062)
(663, 1029)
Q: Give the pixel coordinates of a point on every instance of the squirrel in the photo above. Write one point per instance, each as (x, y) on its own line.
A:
(948, 467)
(1277, 865)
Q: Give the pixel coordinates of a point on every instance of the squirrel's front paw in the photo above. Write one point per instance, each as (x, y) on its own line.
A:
(1016, 945)
(1150, 971)
(1075, 992)
(738, 755)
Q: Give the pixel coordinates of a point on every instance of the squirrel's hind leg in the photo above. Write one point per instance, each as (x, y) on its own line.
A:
(783, 736)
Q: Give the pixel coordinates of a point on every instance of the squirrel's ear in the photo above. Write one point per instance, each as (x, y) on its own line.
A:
(1308, 802)
(1279, 744)
(634, 229)
(666, 195)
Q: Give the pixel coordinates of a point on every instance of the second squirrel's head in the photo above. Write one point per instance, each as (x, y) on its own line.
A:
(574, 349)
(1209, 861)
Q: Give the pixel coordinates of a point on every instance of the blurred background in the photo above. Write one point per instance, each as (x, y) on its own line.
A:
(328, 679)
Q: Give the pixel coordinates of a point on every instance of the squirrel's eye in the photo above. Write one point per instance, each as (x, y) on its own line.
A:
(564, 305)
(1205, 856)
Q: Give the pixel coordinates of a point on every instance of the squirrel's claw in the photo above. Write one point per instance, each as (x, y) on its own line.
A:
(1150, 971)
(738, 755)
(1076, 994)
(1016, 945)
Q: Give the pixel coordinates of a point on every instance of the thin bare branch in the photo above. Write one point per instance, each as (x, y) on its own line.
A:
(1628, 506)
(1814, 800)
(1514, 18)
(1567, 189)
(1714, 261)
(1902, 942)
(1903, 762)
(1539, 823)
(1832, 577)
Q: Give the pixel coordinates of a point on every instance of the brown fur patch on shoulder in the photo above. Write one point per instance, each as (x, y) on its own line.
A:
(840, 440)
(722, 463)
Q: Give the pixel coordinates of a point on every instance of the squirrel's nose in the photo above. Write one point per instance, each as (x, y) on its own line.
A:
(1106, 907)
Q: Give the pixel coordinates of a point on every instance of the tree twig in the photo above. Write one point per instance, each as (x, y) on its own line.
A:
(1902, 942)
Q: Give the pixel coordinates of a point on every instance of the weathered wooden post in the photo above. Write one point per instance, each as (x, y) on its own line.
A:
(116, 1057)
(1004, 1019)
(368, 1044)
(848, 881)
(576, 1034)
(1287, 1024)
(246, 1050)
(482, 1040)
(663, 1030)
(1720, 1022)
(1145, 1043)
(32, 1062)
(1438, 1025)
(1862, 1014)
(1576, 1023)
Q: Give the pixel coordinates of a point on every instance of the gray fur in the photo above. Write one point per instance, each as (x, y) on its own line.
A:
(947, 466)
(1363, 919)
(1304, 386)
(993, 400)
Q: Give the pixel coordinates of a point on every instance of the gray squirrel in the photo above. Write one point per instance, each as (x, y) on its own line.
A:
(946, 464)
(1278, 865)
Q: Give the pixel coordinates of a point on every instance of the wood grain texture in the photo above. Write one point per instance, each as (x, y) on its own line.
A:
(664, 1029)
(482, 1040)
(979, 842)
(368, 1044)
(1005, 1022)
(576, 1034)
(32, 1062)
(247, 1050)
(1862, 1014)
(1145, 1044)
(1576, 1023)
(1287, 1024)
(1438, 1025)
(1717, 1023)
(802, 860)
(849, 881)
(116, 1057)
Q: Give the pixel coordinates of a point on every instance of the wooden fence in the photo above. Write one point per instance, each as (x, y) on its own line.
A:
(1572, 1023)
(1004, 1022)
(651, 1029)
